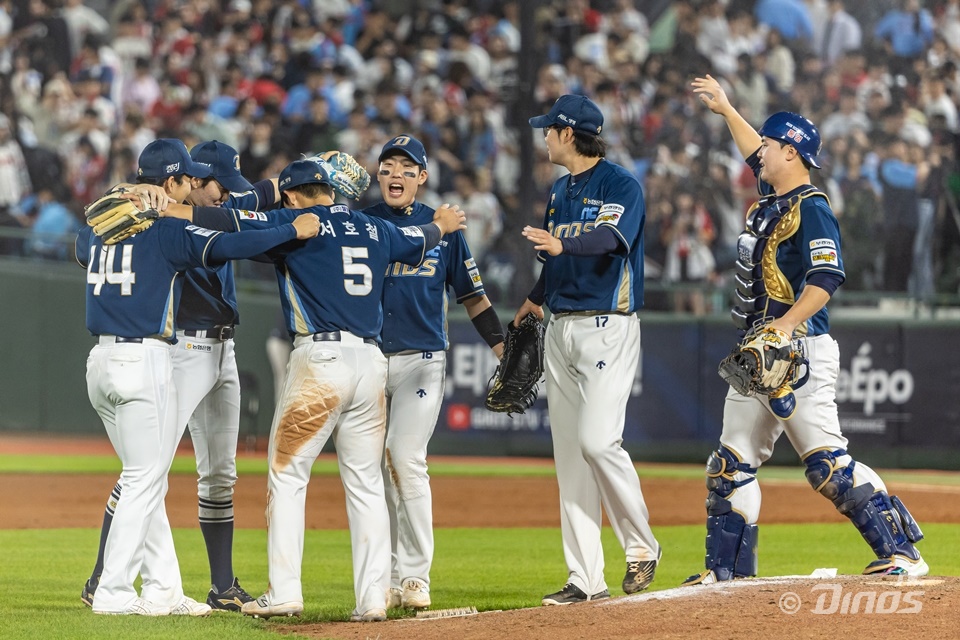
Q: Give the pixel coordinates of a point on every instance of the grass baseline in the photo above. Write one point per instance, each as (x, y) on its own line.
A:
(490, 569)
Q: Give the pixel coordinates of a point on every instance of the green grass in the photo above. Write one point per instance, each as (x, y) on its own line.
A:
(488, 568)
(10, 463)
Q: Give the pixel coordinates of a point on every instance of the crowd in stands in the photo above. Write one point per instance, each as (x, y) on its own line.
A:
(87, 84)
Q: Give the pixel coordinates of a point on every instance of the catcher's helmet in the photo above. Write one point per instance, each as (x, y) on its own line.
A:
(796, 130)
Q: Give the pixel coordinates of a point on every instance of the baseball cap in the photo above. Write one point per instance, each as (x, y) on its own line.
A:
(578, 112)
(302, 172)
(224, 163)
(165, 157)
(407, 145)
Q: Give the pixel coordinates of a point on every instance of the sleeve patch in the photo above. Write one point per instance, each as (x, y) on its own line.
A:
(824, 256)
(610, 214)
(475, 277)
(822, 243)
(200, 231)
(470, 264)
(413, 232)
(252, 215)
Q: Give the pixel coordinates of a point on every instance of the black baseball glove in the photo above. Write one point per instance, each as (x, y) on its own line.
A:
(513, 387)
(115, 219)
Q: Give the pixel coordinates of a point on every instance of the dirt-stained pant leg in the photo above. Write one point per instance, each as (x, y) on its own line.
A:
(317, 388)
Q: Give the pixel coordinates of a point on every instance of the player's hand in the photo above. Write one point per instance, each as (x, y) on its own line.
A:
(307, 225)
(527, 307)
(151, 196)
(450, 218)
(543, 240)
(711, 94)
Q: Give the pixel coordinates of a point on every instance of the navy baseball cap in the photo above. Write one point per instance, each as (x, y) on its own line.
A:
(579, 112)
(224, 163)
(303, 172)
(167, 157)
(408, 146)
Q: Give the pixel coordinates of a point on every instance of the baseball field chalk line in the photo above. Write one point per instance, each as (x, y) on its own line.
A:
(457, 612)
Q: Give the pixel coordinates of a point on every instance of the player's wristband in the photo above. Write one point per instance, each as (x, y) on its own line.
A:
(488, 326)
(432, 234)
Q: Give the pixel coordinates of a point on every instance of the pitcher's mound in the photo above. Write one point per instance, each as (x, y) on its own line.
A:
(789, 607)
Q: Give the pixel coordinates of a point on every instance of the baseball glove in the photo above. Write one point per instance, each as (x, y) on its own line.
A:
(349, 179)
(513, 387)
(765, 362)
(115, 219)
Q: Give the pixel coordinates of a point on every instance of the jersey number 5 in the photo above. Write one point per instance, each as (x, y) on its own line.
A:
(361, 283)
(106, 274)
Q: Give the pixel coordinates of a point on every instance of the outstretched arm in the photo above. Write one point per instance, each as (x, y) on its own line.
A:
(715, 98)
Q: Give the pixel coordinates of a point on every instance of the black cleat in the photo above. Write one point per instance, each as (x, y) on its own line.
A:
(640, 574)
(230, 600)
(571, 594)
(89, 588)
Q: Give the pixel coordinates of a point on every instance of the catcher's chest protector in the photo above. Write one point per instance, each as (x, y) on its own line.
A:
(770, 222)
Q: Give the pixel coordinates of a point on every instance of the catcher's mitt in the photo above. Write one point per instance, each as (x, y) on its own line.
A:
(349, 179)
(765, 362)
(513, 387)
(114, 218)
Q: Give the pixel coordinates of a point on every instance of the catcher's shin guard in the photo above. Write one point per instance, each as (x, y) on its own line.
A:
(731, 543)
(881, 519)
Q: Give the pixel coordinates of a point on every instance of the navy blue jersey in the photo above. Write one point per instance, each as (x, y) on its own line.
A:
(415, 297)
(335, 280)
(610, 195)
(209, 296)
(133, 287)
(812, 246)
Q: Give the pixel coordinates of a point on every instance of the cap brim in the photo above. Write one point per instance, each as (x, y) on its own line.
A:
(539, 122)
(234, 184)
(399, 150)
(198, 170)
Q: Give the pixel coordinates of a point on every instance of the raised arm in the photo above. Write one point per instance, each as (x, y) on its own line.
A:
(715, 98)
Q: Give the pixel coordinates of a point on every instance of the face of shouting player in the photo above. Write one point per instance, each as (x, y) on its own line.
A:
(400, 178)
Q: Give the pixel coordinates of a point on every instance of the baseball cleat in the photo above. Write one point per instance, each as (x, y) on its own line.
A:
(139, 607)
(898, 566)
(395, 598)
(263, 608)
(704, 577)
(571, 594)
(640, 574)
(230, 600)
(416, 594)
(190, 607)
(89, 589)
(370, 615)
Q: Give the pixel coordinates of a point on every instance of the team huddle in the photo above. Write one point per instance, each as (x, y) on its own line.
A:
(369, 358)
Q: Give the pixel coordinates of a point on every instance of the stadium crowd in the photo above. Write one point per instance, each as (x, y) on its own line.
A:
(87, 85)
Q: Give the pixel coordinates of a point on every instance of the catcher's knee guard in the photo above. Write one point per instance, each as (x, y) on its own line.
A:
(731, 543)
(881, 519)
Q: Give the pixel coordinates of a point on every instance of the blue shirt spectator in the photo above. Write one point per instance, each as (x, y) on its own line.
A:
(790, 17)
(909, 31)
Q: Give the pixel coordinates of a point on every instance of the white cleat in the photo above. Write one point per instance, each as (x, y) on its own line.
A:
(394, 598)
(190, 607)
(370, 615)
(898, 565)
(263, 608)
(416, 594)
(139, 607)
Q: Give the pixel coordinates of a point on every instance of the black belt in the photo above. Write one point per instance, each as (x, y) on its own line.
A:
(132, 340)
(334, 336)
(223, 332)
(561, 314)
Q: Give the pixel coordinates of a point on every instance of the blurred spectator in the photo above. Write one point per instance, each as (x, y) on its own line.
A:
(790, 18)
(141, 91)
(481, 207)
(687, 236)
(860, 218)
(901, 177)
(840, 33)
(847, 120)
(906, 32)
(81, 22)
(52, 226)
(14, 178)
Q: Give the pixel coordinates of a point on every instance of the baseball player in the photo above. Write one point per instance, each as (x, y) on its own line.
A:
(591, 247)
(133, 291)
(415, 342)
(205, 368)
(335, 379)
(789, 266)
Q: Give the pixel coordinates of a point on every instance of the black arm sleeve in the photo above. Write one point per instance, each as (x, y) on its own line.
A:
(827, 281)
(431, 236)
(216, 218)
(538, 293)
(488, 326)
(595, 243)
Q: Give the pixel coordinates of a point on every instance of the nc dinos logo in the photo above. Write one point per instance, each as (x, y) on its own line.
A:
(863, 383)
